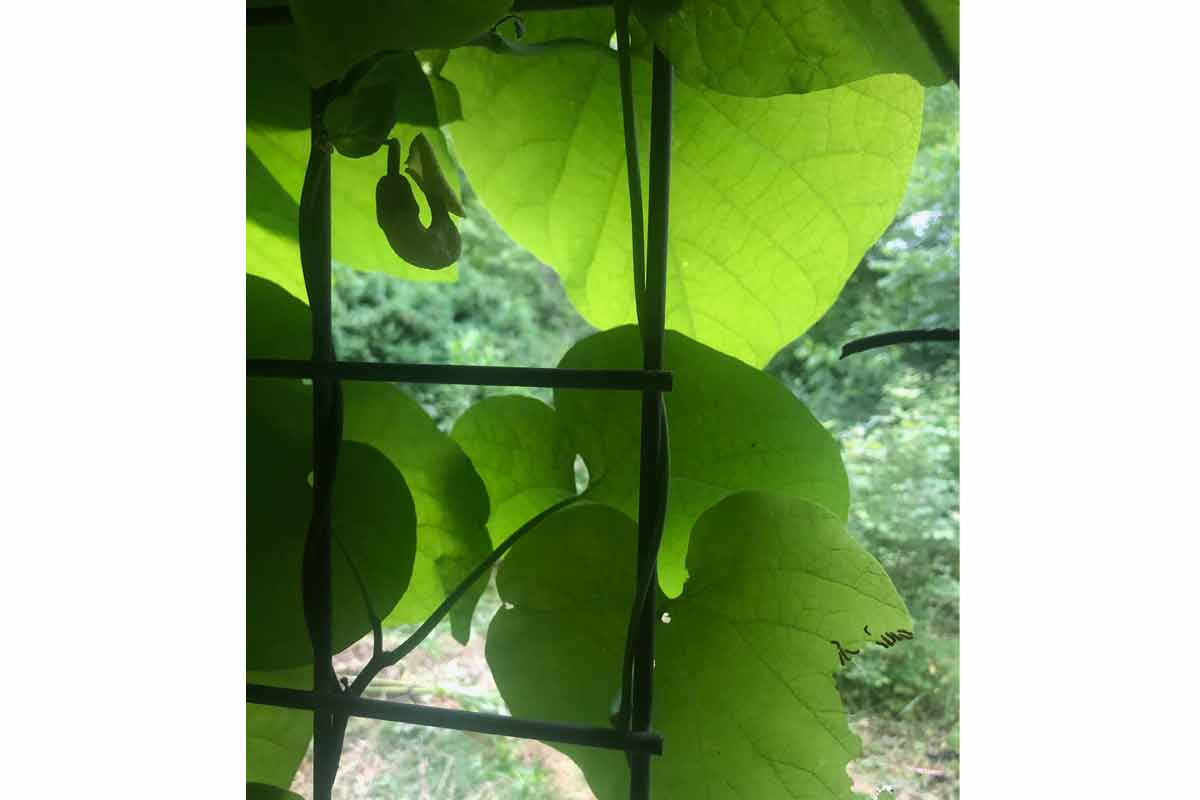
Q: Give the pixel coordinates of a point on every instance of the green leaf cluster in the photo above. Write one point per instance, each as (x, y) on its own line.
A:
(717, 447)
(792, 147)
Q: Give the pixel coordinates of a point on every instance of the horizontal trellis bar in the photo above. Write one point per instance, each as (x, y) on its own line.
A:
(477, 721)
(464, 374)
(282, 15)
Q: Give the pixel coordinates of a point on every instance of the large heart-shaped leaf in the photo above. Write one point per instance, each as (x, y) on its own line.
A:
(744, 692)
(760, 48)
(773, 201)
(374, 523)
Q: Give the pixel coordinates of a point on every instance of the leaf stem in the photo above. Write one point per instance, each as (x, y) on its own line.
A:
(381, 659)
(391, 657)
(358, 578)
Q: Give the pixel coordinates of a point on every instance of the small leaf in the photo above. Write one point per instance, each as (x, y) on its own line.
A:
(759, 48)
(277, 738)
(773, 202)
(744, 691)
(521, 450)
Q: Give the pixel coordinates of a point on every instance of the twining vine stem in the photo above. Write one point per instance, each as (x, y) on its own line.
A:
(382, 659)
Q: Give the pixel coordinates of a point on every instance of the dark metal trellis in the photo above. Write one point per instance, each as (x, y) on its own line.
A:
(331, 703)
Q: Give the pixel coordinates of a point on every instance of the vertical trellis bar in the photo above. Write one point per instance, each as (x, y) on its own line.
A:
(652, 489)
(315, 231)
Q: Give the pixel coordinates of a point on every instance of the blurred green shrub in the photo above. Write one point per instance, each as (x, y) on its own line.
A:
(903, 467)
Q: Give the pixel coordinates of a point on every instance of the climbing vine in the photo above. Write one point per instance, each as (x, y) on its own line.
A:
(794, 131)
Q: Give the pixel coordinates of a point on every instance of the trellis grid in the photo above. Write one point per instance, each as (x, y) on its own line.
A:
(333, 703)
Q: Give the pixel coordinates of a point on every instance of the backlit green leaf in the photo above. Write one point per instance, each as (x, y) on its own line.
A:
(760, 48)
(451, 501)
(744, 671)
(773, 201)
(523, 454)
(732, 427)
(374, 523)
(277, 738)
